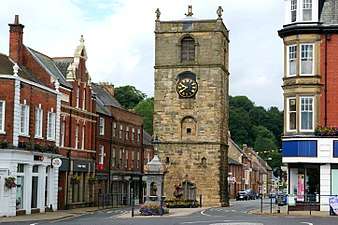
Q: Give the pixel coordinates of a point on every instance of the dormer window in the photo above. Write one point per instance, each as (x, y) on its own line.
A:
(307, 10)
(293, 10)
(187, 49)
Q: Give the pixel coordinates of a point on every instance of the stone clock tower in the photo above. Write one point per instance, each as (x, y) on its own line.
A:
(191, 106)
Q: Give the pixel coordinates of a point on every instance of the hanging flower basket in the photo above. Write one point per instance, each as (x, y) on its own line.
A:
(92, 180)
(75, 179)
(10, 182)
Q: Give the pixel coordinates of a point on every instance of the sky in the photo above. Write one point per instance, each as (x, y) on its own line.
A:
(119, 38)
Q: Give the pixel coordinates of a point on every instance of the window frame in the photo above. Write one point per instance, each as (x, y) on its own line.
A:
(300, 114)
(295, 60)
(24, 124)
(51, 126)
(288, 114)
(38, 127)
(78, 97)
(83, 133)
(62, 132)
(101, 155)
(101, 125)
(304, 4)
(77, 136)
(3, 117)
(300, 59)
(293, 8)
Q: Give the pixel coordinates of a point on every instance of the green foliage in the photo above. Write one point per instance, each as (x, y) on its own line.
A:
(256, 127)
(128, 96)
(145, 109)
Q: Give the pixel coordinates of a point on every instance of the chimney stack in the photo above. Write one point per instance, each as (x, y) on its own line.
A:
(109, 87)
(16, 40)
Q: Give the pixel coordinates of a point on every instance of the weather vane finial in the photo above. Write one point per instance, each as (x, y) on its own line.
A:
(219, 12)
(189, 13)
(158, 14)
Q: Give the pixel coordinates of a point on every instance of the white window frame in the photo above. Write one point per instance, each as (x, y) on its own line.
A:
(133, 134)
(288, 61)
(121, 131)
(78, 97)
(77, 136)
(101, 155)
(3, 117)
(127, 133)
(305, 6)
(114, 129)
(294, 7)
(288, 114)
(300, 114)
(38, 122)
(127, 158)
(62, 134)
(83, 137)
(113, 163)
(84, 99)
(51, 125)
(313, 59)
(24, 120)
(138, 135)
(101, 126)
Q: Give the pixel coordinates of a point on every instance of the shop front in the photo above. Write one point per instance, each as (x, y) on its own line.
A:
(28, 182)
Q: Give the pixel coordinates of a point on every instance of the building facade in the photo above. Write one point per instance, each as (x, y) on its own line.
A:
(120, 150)
(191, 105)
(310, 37)
(29, 131)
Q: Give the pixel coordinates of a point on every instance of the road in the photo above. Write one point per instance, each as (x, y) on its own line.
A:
(234, 215)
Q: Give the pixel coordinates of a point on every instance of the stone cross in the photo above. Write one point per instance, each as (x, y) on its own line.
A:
(158, 14)
(219, 12)
(189, 11)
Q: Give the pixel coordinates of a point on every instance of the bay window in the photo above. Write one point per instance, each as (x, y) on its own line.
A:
(2, 116)
(51, 126)
(292, 60)
(292, 114)
(307, 10)
(306, 63)
(38, 122)
(24, 120)
(306, 113)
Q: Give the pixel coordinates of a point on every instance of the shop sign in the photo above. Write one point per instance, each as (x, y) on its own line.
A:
(333, 206)
(56, 162)
(80, 166)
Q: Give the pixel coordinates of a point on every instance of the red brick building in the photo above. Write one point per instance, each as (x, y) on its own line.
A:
(119, 147)
(30, 100)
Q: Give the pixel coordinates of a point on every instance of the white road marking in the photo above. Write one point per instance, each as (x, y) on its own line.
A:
(307, 223)
(207, 221)
(33, 223)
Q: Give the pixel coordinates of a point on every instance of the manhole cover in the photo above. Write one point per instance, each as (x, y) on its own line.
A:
(237, 223)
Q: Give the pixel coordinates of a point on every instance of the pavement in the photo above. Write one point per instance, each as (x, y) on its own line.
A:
(57, 215)
(239, 213)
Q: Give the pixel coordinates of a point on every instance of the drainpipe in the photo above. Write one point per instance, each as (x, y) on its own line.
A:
(327, 37)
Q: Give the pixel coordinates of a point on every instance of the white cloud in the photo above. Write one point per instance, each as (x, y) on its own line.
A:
(120, 40)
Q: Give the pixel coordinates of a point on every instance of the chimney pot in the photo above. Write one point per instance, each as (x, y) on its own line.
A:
(16, 20)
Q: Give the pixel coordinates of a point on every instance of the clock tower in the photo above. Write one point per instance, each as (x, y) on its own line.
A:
(191, 106)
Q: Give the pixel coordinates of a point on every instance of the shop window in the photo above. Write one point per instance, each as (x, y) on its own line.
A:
(19, 191)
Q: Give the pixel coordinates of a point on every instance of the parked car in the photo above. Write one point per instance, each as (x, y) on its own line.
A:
(242, 195)
(252, 195)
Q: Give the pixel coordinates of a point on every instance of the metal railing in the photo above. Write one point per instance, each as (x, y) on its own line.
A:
(112, 200)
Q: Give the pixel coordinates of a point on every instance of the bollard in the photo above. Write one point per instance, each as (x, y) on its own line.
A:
(132, 205)
(201, 201)
(261, 203)
(270, 205)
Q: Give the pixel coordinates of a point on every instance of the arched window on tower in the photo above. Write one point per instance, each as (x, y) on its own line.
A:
(187, 49)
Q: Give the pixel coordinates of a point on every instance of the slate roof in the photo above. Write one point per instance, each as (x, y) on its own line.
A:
(63, 63)
(50, 66)
(147, 138)
(6, 67)
(105, 97)
(329, 12)
(101, 108)
(233, 162)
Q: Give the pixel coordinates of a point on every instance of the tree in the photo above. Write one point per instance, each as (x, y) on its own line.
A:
(145, 109)
(240, 126)
(128, 96)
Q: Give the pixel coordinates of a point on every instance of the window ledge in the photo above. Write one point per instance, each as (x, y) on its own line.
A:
(51, 139)
(39, 137)
(24, 135)
(2, 132)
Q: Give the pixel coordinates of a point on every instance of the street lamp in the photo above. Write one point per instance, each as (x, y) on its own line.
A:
(156, 142)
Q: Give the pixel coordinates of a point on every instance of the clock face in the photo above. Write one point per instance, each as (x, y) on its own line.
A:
(186, 87)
